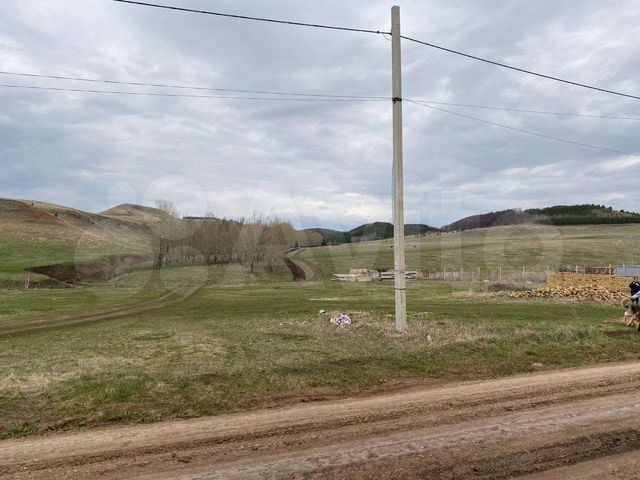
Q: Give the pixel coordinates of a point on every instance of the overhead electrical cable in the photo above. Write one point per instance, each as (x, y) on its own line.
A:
(528, 132)
(258, 19)
(521, 110)
(518, 69)
(187, 87)
(301, 94)
(405, 37)
(183, 95)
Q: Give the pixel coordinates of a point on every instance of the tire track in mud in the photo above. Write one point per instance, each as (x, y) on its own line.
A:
(65, 321)
(491, 429)
(501, 429)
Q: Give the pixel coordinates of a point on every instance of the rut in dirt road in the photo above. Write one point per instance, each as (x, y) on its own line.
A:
(408, 444)
(493, 429)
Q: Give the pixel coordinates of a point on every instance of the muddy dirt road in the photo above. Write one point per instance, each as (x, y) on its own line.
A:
(582, 423)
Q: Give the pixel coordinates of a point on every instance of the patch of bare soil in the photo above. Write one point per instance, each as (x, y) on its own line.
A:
(503, 428)
(625, 466)
(104, 268)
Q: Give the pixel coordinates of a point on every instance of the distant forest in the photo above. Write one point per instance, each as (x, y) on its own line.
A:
(369, 231)
(586, 214)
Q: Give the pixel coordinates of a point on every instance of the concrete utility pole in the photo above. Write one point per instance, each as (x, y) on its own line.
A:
(398, 188)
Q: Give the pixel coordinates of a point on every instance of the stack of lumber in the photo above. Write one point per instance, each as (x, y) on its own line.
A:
(580, 286)
(364, 275)
(390, 275)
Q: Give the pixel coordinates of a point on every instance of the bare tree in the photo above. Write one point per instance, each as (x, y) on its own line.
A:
(213, 241)
(167, 207)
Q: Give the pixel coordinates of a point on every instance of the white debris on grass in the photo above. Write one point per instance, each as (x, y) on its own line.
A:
(341, 319)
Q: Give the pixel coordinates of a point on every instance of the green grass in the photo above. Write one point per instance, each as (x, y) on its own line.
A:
(19, 306)
(19, 250)
(16, 254)
(233, 347)
(534, 247)
(245, 340)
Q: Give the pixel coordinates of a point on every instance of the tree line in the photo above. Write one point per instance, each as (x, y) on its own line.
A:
(209, 241)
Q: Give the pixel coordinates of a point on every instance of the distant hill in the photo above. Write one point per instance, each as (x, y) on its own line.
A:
(368, 231)
(586, 214)
(49, 223)
(491, 219)
(582, 215)
(137, 214)
(331, 237)
(36, 233)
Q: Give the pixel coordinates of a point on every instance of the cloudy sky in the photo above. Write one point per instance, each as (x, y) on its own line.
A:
(318, 163)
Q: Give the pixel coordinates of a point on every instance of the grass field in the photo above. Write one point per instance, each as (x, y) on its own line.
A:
(196, 341)
(534, 247)
(35, 234)
(233, 347)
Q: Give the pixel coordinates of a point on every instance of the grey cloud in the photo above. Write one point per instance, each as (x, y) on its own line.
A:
(317, 163)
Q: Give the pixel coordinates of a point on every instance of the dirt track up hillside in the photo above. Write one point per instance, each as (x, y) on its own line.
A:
(310, 270)
(579, 420)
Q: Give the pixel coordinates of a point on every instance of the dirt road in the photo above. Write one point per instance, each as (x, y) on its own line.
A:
(563, 424)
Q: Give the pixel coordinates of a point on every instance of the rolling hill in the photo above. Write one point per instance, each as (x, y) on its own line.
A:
(137, 214)
(36, 233)
(586, 214)
(369, 231)
(508, 249)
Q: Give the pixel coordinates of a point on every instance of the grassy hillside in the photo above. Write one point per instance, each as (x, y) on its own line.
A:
(582, 215)
(369, 231)
(587, 214)
(511, 247)
(137, 214)
(36, 233)
(73, 246)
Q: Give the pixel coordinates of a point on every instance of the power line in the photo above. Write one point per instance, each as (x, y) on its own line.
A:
(160, 94)
(535, 134)
(188, 87)
(410, 39)
(517, 69)
(428, 44)
(520, 110)
(300, 94)
(259, 19)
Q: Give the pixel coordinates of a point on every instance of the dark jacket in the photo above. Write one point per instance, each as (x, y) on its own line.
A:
(635, 287)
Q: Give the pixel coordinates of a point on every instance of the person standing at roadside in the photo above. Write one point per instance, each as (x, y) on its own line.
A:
(634, 286)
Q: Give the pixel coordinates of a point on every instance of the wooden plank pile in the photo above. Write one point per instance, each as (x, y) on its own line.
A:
(390, 275)
(365, 275)
(580, 286)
